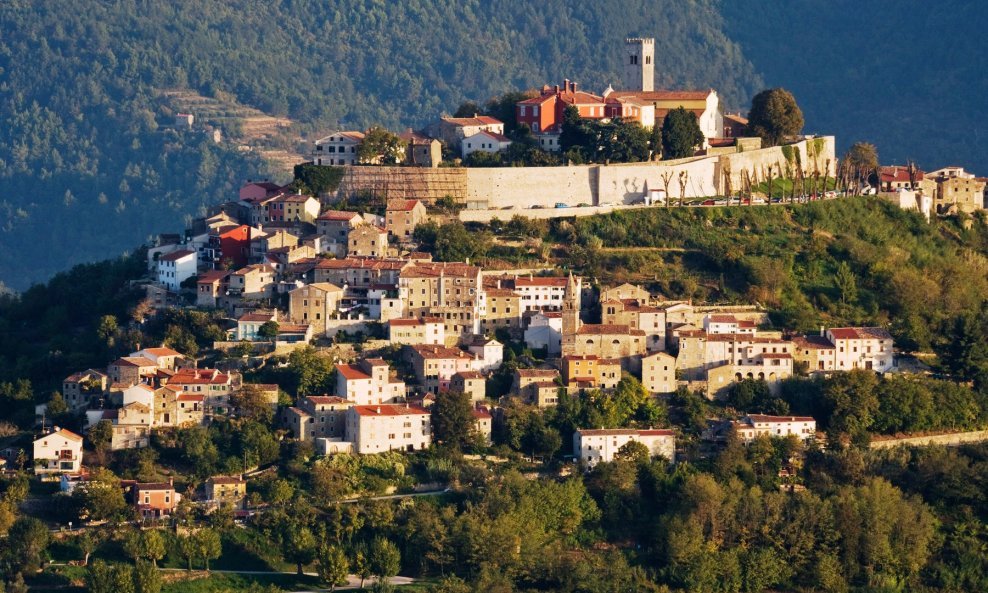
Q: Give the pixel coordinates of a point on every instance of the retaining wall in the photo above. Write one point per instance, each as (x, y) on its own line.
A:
(956, 438)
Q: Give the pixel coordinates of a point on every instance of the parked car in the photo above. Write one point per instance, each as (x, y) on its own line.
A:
(561, 205)
(708, 203)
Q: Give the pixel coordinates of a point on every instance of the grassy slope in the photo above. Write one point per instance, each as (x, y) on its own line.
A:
(908, 272)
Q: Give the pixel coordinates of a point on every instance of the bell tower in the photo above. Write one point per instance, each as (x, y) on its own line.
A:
(571, 312)
(639, 64)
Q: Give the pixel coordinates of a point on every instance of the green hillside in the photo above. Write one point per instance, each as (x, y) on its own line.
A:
(89, 168)
(906, 75)
(89, 165)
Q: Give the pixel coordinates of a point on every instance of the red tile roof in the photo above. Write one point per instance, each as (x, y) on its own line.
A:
(600, 329)
(661, 95)
(338, 215)
(161, 351)
(176, 255)
(480, 120)
(200, 376)
(326, 399)
(351, 373)
(778, 419)
(390, 410)
(399, 205)
(134, 361)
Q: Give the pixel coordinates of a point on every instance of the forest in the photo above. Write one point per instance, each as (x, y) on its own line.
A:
(91, 166)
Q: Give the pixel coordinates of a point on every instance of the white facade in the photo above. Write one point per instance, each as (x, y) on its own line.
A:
(861, 348)
(337, 149)
(483, 141)
(749, 427)
(489, 353)
(139, 393)
(543, 293)
(58, 452)
(376, 429)
(545, 331)
(176, 267)
(367, 383)
(594, 446)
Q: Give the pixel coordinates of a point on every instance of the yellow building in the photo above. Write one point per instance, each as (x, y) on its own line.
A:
(403, 216)
(503, 310)
(314, 304)
(591, 371)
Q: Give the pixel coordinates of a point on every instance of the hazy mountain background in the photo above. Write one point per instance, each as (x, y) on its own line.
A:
(90, 164)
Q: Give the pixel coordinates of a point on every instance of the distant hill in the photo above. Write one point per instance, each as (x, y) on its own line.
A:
(907, 75)
(90, 165)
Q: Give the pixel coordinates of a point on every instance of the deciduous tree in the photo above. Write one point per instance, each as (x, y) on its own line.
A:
(774, 115)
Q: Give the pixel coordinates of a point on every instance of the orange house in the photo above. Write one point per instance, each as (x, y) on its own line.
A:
(155, 499)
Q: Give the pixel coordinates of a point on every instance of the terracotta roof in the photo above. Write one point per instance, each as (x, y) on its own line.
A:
(390, 410)
(76, 377)
(339, 215)
(535, 373)
(489, 134)
(255, 317)
(779, 419)
(326, 399)
(433, 352)
(351, 373)
(160, 352)
(190, 397)
(134, 361)
(581, 357)
(859, 333)
(813, 341)
(227, 480)
(625, 432)
(737, 118)
(480, 120)
(200, 376)
(552, 281)
(154, 486)
(600, 329)
(469, 375)
(436, 269)
(406, 322)
(176, 255)
(780, 355)
(481, 414)
(63, 432)
(293, 198)
(897, 174)
(264, 185)
(722, 318)
(400, 205)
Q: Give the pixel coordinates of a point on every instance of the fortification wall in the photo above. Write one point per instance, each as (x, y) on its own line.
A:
(506, 188)
(410, 183)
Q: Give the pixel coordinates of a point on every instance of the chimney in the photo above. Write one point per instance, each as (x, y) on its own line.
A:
(821, 331)
(565, 85)
(574, 87)
(555, 89)
(379, 409)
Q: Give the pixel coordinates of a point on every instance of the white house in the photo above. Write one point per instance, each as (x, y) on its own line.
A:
(368, 382)
(749, 427)
(176, 267)
(593, 446)
(59, 451)
(484, 141)
(379, 428)
(339, 148)
(489, 353)
(249, 324)
(861, 348)
(545, 330)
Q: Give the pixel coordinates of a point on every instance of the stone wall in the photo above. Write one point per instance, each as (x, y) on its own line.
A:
(954, 438)
(519, 188)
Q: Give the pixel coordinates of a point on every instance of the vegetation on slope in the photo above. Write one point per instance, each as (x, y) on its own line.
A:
(88, 168)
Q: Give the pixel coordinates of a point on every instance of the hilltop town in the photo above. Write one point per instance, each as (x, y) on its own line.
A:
(343, 343)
